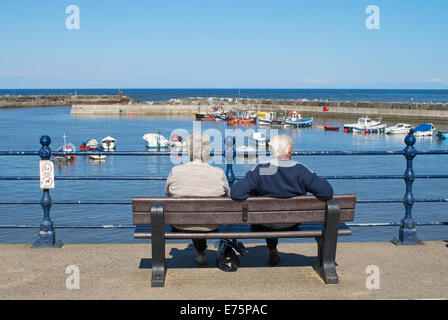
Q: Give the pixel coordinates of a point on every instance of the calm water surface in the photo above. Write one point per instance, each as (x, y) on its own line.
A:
(20, 129)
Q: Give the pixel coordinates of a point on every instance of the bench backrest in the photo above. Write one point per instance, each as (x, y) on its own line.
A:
(255, 210)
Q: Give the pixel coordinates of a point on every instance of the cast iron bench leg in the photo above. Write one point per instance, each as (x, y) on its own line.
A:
(326, 265)
(158, 245)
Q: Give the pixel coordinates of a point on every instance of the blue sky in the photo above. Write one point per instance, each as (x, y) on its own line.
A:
(224, 44)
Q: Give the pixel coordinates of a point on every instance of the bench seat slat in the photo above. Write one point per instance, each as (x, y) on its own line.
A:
(140, 218)
(254, 204)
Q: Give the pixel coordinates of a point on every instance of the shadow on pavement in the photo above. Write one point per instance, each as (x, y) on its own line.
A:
(255, 257)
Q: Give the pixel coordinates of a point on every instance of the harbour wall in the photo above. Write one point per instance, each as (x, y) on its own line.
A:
(153, 110)
(59, 100)
(398, 111)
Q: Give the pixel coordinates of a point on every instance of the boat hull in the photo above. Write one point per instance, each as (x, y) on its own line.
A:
(301, 123)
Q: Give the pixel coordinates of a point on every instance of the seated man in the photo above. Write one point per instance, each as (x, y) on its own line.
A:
(280, 178)
(197, 179)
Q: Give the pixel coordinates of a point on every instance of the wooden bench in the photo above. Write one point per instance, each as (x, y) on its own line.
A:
(323, 220)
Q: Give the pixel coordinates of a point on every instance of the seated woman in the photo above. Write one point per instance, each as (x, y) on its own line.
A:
(197, 179)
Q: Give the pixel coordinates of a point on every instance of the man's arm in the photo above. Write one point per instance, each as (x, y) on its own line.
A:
(318, 186)
(242, 189)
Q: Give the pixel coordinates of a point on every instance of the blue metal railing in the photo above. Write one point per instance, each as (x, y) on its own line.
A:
(407, 232)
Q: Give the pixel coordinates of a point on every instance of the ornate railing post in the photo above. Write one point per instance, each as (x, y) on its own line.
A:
(408, 233)
(230, 155)
(47, 235)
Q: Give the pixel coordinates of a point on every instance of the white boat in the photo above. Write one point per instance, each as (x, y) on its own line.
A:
(156, 141)
(92, 144)
(365, 125)
(108, 143)
(260, 138)
(424, 130)
(177, 142)
(97, 157)
(399, 128)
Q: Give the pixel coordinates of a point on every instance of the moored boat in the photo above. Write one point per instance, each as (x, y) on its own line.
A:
(97, 157)
(363, 124)
(108, 143)
(204, 116)
(269, 118)
(177, 141)
(331, 128)
(442, 134)
(294, 119)
(399, 128)
(424, 130)
(66, 147)
(93, 144)
(156, 141)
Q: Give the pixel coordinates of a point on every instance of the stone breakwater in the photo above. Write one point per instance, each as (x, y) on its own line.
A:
(29, 101)
(346, 109)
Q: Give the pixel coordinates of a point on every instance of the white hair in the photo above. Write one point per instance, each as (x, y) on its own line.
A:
(280, 145)
(199, 146)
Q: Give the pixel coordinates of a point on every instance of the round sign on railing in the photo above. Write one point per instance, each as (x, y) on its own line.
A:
(46, 170)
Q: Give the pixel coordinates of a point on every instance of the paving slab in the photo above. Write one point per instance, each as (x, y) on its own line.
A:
(123, 271)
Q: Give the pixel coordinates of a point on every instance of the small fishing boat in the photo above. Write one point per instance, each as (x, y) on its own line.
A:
(156, 141)
(442, 134)
(374, 129)
(269, 118)
(399, 128)
(424, 130)
(308, 122)
(248, 117)
(108, 143)
(363, 124)
(177, 142)
(219, 113)
(331, 128)
(204, 116)
(294, 119)
(66, 147)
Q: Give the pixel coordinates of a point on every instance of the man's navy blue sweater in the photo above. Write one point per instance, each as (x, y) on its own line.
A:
(281, 179)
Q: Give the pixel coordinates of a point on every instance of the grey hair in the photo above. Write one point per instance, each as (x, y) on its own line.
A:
(199, 146)
(280, 145)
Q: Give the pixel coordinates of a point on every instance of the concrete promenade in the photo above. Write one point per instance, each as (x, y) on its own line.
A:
(123, 271)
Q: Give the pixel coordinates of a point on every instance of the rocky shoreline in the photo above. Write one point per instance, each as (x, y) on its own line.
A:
(30, 101)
